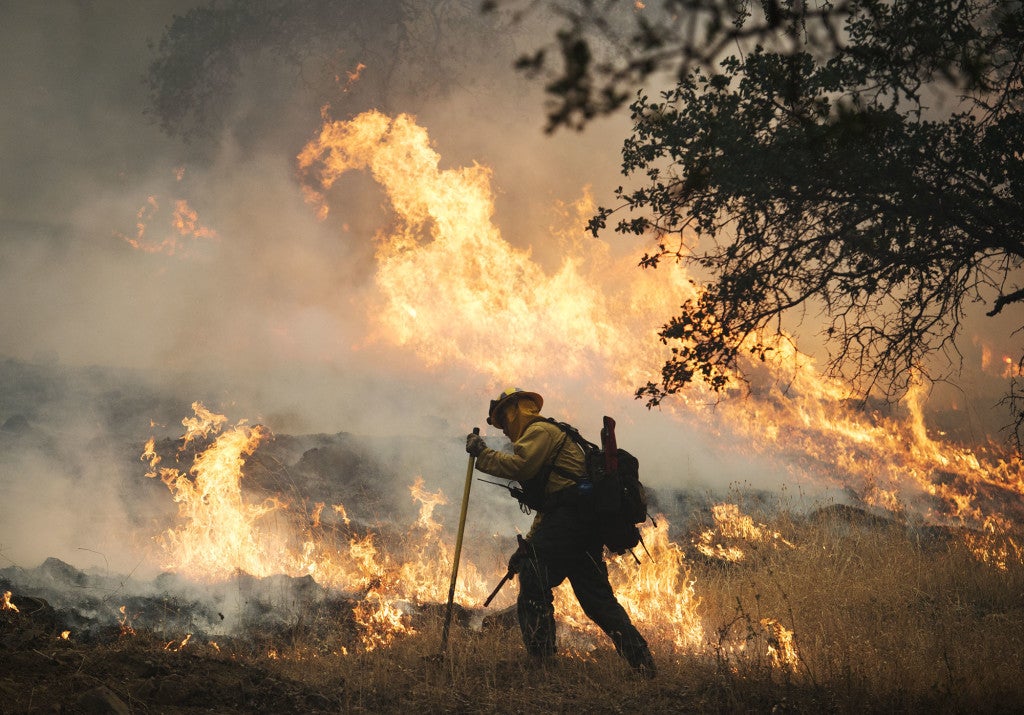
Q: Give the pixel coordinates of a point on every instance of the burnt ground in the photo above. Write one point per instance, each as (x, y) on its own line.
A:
(66, 645)
(118, 669)
(83, 653)
(123, 673)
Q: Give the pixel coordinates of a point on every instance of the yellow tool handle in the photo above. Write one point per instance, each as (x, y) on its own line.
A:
(458, 549)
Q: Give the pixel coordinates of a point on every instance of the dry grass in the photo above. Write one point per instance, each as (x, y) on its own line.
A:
(884, 618)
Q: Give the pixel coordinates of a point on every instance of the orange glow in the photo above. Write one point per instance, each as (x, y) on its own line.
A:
(6, 605)
(182, 226)
(176, 646)
(451, 290)
(732, 525)
(125, 621)
(782, 651)
(596, 312)
(351, 77)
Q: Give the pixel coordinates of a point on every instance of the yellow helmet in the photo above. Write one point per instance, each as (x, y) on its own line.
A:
(509, 395)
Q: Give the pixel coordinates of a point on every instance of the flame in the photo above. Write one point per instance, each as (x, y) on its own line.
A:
(221, 534)
(996, 543)
(125, 621)
(446, 258)
(177, 646)
(6, 604)
(185, 221)
(732, 525)
(184, 225)
(381, 622)
(446, 254)
(781, 649)
(659, 592)
(318, 509)
(446, 278)
(810, 424)
(340, 509)
(351, 77)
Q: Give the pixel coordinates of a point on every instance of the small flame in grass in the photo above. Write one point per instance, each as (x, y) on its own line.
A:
(995, 544)
(427, 502)
(732, 524)
(125, 621)
(149, 455)
(318, 509)
(781, 646)
(65, 635)
(177, 646)
(340, 510)
(381, 622)
(6, 604)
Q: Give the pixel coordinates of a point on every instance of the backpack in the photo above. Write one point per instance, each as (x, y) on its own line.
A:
(610, 486)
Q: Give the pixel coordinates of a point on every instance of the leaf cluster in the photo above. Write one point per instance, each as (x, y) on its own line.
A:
(859, 158)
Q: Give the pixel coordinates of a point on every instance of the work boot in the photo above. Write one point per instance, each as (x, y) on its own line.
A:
(646, 668)
(642, 662)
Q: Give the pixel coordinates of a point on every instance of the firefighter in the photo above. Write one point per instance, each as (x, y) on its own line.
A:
(564, 541)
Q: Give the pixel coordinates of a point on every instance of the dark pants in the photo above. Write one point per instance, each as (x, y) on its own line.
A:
(567, 546)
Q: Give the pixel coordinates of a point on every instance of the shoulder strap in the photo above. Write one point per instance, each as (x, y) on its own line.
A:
(533, 492)
(585, 444)
(574, 434)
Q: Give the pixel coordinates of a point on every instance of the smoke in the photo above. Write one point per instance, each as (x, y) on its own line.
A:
(269, 290)
(200, 272)
(66, 473)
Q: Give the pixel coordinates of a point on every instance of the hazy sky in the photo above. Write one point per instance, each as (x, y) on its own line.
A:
(84, 164)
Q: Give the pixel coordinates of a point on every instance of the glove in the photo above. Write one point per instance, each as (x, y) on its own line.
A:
(521, 556)
(475, 444)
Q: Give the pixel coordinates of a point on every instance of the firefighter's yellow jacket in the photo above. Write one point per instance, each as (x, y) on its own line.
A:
(535, 443)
